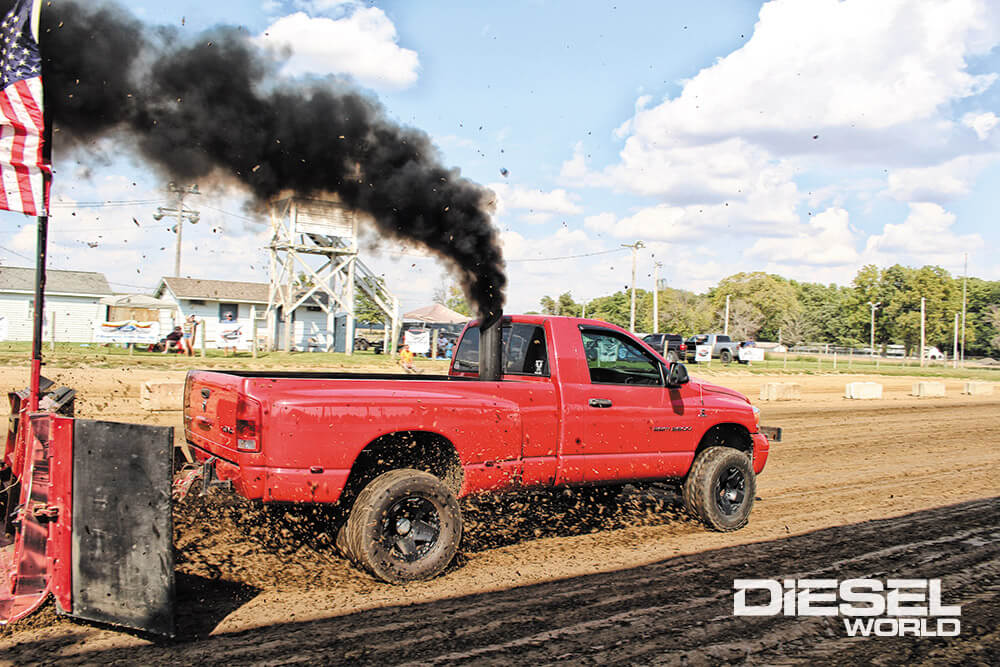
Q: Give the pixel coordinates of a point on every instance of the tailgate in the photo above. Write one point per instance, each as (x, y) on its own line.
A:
(210, 411)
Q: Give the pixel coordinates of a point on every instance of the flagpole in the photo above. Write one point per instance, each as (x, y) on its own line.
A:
(42, 233)
(41, 245)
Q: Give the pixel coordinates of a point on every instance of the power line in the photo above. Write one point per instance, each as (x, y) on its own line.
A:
(106, 204)
(16, 253)
(552, 259)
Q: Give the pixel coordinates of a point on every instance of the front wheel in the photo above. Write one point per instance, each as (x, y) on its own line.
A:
(405, 526)
(720, 488)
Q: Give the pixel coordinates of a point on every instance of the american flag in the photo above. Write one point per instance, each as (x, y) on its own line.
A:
(24, 173)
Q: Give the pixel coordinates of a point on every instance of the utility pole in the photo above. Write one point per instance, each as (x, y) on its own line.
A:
(656, 296)
(874, 305)
(181, 214)
(954, 347)
(635, 252)
(725, 327)
(923, 328)
(965, 281)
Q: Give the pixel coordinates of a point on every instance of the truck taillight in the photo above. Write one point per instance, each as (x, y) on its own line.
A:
(683, 347)
(248, 420)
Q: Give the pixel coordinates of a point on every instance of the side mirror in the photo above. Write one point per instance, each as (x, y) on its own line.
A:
(677, 375)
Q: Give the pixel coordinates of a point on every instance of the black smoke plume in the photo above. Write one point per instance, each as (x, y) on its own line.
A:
(196, 107)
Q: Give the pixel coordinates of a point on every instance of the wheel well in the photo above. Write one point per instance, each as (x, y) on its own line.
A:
(727, 435)
(421, 450)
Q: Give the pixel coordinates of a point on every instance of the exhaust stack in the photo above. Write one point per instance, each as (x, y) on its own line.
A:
(491, 348)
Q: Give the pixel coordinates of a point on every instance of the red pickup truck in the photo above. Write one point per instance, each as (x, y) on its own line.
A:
(567, 402)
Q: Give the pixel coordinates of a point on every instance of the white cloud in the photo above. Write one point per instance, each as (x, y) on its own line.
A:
(540, 205)
(827, 240)
(981, 123)
(834, 63)
(362, 43)
(925, 236)
(940, 182)
(854, 81)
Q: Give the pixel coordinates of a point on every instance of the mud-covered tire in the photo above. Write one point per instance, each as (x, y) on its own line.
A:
(726, 356)
(673, 357)
(405, 525)
(720, 488)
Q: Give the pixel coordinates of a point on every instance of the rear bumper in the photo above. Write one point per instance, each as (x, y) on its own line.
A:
(291, 485)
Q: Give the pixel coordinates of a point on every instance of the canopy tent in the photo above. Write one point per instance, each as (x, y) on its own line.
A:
(436, 314)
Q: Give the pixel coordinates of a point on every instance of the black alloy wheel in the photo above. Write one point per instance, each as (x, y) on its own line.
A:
(411, 528)
(730, 490)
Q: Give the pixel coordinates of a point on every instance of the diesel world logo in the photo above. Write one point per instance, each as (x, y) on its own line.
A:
(870, 607)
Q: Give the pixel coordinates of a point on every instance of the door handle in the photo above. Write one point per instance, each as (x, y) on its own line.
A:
(203, 422)
(599, 402)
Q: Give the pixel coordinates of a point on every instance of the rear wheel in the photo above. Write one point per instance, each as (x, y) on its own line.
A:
(672, 357)
(726, 356)
(720, 488)
(405, 525)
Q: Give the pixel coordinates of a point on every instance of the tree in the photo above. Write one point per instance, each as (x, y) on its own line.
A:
(564, 305)
(995, 322)
(365, 309)
(451, 296)
(772, 296)
(684, 313)
(745, 319)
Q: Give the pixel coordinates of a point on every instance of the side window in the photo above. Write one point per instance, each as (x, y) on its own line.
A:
(614, 359)
(524, 351)
(467, 355)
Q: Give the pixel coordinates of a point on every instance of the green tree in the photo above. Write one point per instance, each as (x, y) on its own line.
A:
(616, 309)
(365, 309)
(564, 305)
(684, 313)
(980, 327)
(451, 296)
(772, 296)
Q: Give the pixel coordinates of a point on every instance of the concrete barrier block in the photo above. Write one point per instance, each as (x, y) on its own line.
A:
(863, 390)
(978, 388)
(780, 391)
(161, 396)
(928, 389)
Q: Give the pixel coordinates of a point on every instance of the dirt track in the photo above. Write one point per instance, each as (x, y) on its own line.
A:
(543, 578)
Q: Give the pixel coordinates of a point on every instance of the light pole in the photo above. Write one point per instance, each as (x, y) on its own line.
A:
(725, 327)
(874, 305)
(181, 214)
(656, 296)
(635, 251)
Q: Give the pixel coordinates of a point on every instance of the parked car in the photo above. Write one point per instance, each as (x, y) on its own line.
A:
(933, 353)
(670, 346)
(724, 348)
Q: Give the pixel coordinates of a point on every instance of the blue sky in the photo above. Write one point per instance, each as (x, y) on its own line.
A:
(803, 137)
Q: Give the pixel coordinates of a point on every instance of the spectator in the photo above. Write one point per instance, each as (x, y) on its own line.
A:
(406, 358)
(190, 328)
(227, 321)
(173, 340)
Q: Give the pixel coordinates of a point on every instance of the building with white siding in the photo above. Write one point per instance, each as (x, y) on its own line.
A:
(210, 300)
(72, 297)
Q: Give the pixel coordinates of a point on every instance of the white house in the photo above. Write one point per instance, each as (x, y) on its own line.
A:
(210, 300)
(73, 297)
